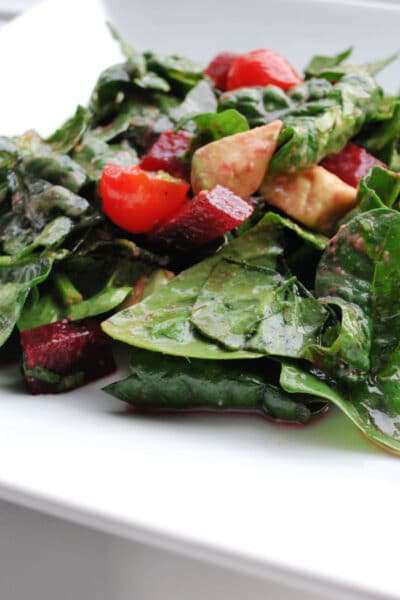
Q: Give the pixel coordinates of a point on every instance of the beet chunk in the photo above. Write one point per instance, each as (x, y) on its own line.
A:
(351, 164)
(209, 215)
(166, 154)
(64, 355)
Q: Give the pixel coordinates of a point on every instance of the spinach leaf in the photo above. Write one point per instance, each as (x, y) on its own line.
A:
(165, 383)
(88, 298)
(319, 65)
(332, 69)
(379, 189)
(134, 58)
(218, 125)
(68, 135)
(256, 309)
(164, 322)
(59, 169)
(324, 127)
(372, 422)
(17, 277)
(260, 105)
(359, 273)
(200, 99)
(381, 137)
(181, 72)
(93, 155)
(161, 322)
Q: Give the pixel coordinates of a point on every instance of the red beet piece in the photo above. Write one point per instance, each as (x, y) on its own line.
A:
(351, 164)
(209, 215)
(218, 68)
(64, 355)
(166, 154)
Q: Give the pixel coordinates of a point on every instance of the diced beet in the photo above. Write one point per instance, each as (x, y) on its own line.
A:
(63, 355)
(218, 68)
(351, 164)
(166, 154)
(209, 215)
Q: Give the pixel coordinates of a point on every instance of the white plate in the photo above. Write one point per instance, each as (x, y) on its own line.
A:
(315, 506)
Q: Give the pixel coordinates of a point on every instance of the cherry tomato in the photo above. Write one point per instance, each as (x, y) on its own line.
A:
(218, 68)
(261, 67)
(138, 200)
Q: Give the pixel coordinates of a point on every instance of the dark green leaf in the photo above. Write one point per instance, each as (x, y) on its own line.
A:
(372, 422)
(57, 168)
(260, 105)
(322, 64)
(69, 134)
(326, 125)
(134, 58)
(219, 125)
(160, 382)
(201, 99)
(17, 277)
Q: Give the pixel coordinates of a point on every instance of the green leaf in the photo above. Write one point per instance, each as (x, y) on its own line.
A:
(116, 283)
(134, 58)
(94, 154)
(53, 234)
(201, 99)
(260, 105)
(360, 273)
(324, 127)
(320, 65)
(161, 322)
(382, 136)
(372, 422)
(165, 383)
(181, 72)
(59, 169)
(152, 81)
(248, 308)
(379, 189)
(331, 68)
(218, 125)
(17, 278)
(68, 135)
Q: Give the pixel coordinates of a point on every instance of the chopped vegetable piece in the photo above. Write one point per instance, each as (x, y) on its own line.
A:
(351, 164)
(238, 162)
(65, 355)
(137, 200)
(315, 197)
(219, 67)
(167, 153)
(262, 67)
(209, 215)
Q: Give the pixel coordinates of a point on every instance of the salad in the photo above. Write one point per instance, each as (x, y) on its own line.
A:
(237, 226)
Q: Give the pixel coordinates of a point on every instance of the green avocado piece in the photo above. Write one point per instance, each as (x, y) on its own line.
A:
(238, 162)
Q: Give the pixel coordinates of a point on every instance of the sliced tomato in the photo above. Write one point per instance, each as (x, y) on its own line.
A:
(138, 200)
(218, 68)
(261, 67)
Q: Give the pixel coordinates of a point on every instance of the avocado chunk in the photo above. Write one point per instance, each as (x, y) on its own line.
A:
(314, 197)
(238, 162)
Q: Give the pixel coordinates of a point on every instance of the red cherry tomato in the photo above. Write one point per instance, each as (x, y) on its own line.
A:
(218, 68)
(262, 67)
(137, 200)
